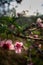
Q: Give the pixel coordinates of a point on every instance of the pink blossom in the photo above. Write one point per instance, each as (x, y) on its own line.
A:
(39, 20)
(9, 43)
(18, 47)
(30, 64)
(6, 46)
(2, 43)
(40, 46)
(40, 25)
(35, 36)
(11, 47)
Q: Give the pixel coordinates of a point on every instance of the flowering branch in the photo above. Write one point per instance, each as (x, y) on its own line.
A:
(26, 37)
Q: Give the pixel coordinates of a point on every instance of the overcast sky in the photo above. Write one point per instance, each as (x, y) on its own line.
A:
(31, 5)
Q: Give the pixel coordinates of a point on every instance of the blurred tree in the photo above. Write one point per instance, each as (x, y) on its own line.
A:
(18, 1)
(3, 2)
(13, 12)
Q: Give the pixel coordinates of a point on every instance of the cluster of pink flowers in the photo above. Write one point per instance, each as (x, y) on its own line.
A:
(7, 44)
(39, 23)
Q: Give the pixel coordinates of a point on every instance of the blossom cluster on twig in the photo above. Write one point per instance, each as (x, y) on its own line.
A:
(40, 23)
(8, 44)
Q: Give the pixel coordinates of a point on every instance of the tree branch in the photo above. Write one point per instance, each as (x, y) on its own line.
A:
(25, 37)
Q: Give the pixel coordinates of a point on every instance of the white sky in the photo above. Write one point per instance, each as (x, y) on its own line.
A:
(31, 5)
